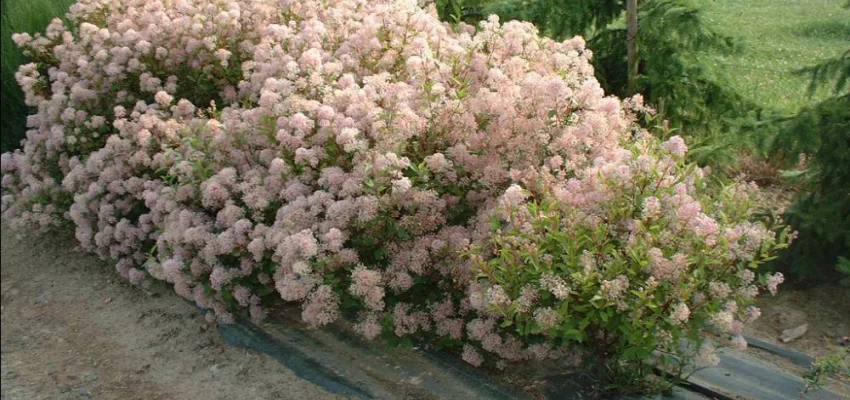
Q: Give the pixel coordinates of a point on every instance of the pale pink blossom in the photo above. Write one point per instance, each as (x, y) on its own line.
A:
(676, 146)
(555, 285)
(547, 318)
(773, 282)
(707, 356)
(738, 342)
(751, 313)
(472, 356)
(681, 313)
(368, 327)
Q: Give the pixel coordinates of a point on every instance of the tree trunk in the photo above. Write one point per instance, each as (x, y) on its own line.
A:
(631, 42)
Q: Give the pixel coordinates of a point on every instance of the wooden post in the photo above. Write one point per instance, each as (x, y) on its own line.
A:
(631, 42)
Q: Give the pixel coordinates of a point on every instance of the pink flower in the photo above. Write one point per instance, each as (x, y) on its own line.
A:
(528, 296)
(437, 162)
(651, 207)
(472, 356)
(773, 282)
(242, 295)
(496, 296)
(747, 276)
(367, 285)
(513, 196)
(223, 56)
(335, 239)
(751, 313)
(347, 138)
(738, 343)
(21, 39)
(322, 307)
(479, 328)
(681, 313)
(401, 185)
(676, 146)
(257, 313)
(293, 287)
(547, 318)
(368, 327)
(373, 131)
(614, 289)
(555, 285)
(215, 195)
(136, 276)
(723, 321)
(719, 290)
(707, 356)
(163, 98)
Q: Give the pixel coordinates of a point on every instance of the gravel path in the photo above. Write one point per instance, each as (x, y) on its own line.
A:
(72, 330)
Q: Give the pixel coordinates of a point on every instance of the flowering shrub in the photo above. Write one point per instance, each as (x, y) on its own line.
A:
(629, 257)
(346, 155)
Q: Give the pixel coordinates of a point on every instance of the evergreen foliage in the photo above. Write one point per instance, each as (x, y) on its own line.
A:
(822, 212)
(837, 69)
(560, 18)
(674, 81)
(469, 11)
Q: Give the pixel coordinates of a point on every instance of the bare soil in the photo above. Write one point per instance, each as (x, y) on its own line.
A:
(72, 330)
(825, 308)
(826, 311)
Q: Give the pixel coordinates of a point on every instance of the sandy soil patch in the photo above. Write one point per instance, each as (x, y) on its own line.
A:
(72, 330)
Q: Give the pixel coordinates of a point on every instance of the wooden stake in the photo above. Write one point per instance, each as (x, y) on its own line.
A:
(631, 42)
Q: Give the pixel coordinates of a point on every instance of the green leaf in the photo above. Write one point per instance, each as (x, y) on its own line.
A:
(572, 335)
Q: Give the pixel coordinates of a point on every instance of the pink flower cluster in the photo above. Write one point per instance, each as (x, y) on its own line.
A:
(331, 153)
(638, 235)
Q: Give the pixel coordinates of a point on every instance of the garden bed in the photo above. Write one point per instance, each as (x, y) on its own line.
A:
(171, 340)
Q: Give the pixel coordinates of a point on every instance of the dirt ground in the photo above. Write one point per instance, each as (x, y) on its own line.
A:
(825, 309)
(71, 330)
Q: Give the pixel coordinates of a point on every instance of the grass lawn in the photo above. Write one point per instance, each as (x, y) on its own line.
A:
(776, 37)
(19, 16)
